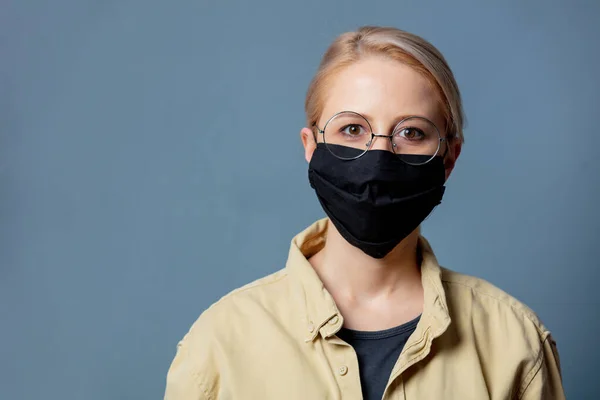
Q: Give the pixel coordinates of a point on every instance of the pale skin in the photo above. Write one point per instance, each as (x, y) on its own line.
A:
(375, 294)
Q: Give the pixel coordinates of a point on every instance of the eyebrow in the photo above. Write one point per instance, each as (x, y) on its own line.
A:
(397, 119)
(369, 118)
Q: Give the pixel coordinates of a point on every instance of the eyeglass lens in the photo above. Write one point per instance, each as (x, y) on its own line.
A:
(411, 138)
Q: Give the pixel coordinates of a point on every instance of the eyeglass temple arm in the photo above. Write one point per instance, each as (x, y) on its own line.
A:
(314, 125)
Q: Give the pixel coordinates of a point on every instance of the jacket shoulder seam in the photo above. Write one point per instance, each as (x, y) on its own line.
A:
(253, 285)
(200, 380)
(532, 374)
(527, 313)
(206, 392)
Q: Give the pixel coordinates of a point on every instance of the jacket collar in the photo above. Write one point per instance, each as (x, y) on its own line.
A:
(321, 315)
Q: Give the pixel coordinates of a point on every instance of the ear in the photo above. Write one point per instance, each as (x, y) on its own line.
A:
(454, 150)
(309, 143)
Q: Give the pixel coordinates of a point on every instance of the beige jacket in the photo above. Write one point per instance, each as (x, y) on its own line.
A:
(276, 339)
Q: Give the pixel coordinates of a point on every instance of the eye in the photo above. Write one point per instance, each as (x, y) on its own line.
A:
(353, 130)
(412, 134)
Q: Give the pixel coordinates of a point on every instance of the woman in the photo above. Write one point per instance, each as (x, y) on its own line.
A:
(362, 308)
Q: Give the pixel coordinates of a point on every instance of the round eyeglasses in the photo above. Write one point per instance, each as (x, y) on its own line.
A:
(348, 135)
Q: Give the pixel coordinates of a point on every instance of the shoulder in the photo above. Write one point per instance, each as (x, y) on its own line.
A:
(506, 334)
(487, 302)
(246, 302)
(246, 313)
(220, 331)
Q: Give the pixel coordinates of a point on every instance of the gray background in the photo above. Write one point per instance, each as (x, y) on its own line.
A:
(150, 162)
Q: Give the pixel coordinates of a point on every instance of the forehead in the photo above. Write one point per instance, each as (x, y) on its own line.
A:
(383, 89)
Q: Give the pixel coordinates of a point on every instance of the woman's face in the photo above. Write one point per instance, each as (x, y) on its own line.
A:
(385, 92)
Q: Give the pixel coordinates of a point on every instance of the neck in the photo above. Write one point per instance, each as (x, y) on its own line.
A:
(349, 273)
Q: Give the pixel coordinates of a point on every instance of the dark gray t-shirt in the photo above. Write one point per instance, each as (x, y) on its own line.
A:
(377, 354)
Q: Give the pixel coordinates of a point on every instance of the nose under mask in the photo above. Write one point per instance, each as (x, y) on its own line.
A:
(376, 200)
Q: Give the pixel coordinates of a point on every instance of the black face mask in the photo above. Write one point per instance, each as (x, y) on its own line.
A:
(376, 200)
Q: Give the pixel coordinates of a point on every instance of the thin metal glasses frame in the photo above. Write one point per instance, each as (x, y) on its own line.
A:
(376, 135)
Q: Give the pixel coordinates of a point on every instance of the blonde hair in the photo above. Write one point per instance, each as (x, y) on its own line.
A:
(396, 44)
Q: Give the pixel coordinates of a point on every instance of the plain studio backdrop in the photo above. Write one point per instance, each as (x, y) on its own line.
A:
(150, 162)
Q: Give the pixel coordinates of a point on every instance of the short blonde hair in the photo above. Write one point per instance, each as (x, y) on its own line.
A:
(399, 45)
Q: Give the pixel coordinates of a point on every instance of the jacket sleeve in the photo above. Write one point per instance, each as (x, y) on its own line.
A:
(544, 381)
(193, 373)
